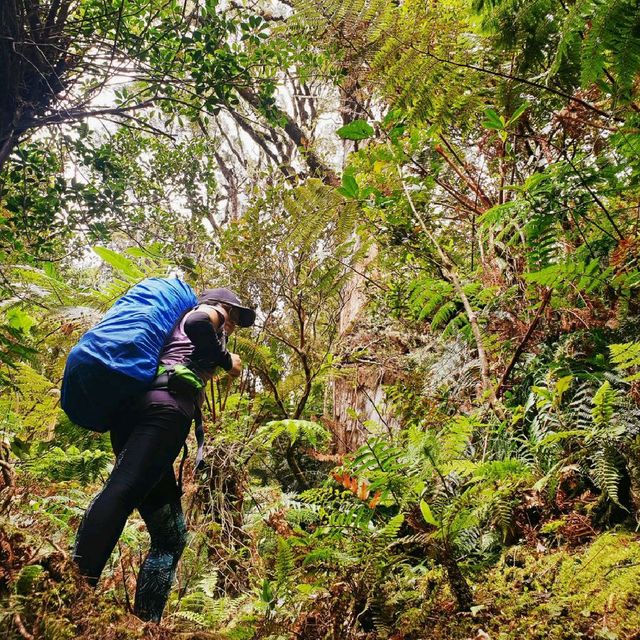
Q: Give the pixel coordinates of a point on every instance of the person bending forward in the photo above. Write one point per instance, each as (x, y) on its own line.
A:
(147, 435)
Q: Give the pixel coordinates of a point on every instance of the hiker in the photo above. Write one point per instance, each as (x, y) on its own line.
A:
(147, 434)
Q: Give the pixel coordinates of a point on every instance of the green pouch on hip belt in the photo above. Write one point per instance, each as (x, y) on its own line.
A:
(181, 379)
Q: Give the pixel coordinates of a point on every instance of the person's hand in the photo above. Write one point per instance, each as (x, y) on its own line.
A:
(236, 365)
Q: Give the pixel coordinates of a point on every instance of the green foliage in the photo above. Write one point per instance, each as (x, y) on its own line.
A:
(608, 48)
(356, 130)
(488, 164)
(13, 349)
(626, 358)
(35, 402)
(593, 421)
(296, 431)
(436, 300)
(121, 264)
(27, 578)
(57, 464)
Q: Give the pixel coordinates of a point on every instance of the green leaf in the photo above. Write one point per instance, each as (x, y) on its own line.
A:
(18, 319)
(121, 264)
(493, 120)
(562, 385)
(517, 113)
(356, 130)
(392, 528)
(266, 593)
(349, 188)
(427, 515)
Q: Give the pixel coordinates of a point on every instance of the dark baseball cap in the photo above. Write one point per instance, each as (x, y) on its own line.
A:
(246, 316)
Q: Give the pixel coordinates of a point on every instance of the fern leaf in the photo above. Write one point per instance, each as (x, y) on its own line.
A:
(607, 468)
(392, 528)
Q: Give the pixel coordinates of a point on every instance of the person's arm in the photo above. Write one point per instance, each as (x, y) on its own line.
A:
(203, 327)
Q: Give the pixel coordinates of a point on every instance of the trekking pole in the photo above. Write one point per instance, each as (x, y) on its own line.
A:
(230, 380)
(213, 401)
(219, 395)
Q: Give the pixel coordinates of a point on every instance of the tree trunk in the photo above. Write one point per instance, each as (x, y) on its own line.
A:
(318, 168)
(295, 467)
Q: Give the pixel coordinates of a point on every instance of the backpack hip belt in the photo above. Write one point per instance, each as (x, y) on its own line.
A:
(180, 380)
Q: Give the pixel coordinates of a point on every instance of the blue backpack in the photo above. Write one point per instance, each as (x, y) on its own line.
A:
(118, 358)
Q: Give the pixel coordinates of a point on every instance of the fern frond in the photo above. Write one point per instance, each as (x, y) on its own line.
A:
(27, 579)
(295, 430)
(626, 357)
(192, 616)
(444, 314)
(284, 562)
(392, 528)
(607, 470)
(604, 405)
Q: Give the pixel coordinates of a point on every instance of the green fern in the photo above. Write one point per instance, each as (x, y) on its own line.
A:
(609, 44)
(626, 358)
(369, 18)
(392, 528)
(296, 431)
(208, 584)
(71, 464)
(192, 616)
(27, 579)
(284, 563)
(585, 277)
(604, 402)
(606, 470)
(329, 556)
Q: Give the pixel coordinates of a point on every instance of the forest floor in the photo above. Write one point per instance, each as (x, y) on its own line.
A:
(534, 591)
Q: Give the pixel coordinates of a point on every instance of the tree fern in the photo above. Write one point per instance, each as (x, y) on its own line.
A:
(368, 18)
(525, 26)
(410, 63)
(296, 431)
(319, 210)
(606, 34)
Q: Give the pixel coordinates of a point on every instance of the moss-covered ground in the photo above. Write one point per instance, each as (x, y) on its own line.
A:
(560, 594)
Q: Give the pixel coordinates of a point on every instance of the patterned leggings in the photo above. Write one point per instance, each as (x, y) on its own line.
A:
(168, 533)
(147, 438)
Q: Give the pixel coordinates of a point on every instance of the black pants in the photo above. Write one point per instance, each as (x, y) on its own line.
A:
(147, 437)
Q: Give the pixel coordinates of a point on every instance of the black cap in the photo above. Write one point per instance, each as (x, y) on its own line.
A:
(246, 316)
